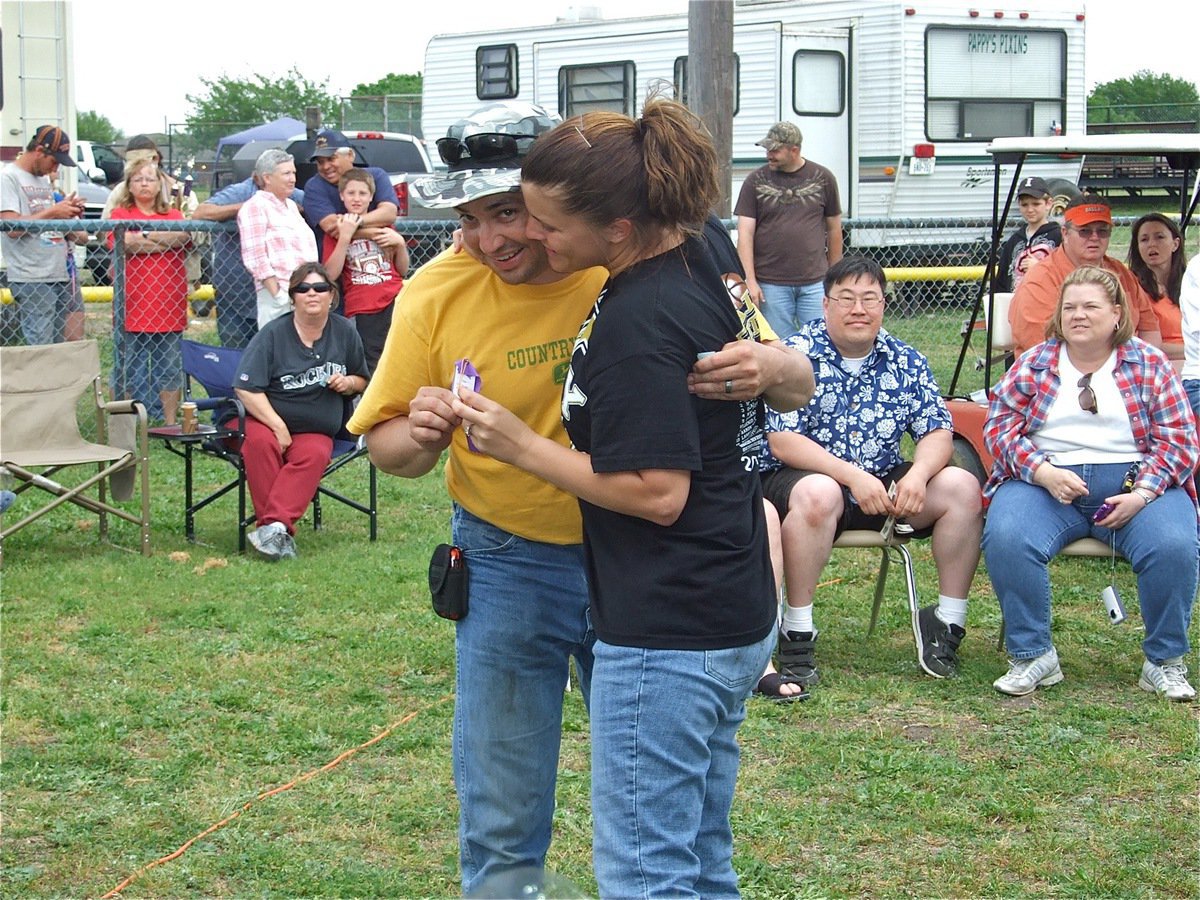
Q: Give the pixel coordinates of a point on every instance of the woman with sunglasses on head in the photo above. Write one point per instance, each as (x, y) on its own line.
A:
(1156, 258)
(1092, 435)
(680, 583)
(295, 379)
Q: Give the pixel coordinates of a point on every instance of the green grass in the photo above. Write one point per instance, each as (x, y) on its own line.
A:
(147, 699)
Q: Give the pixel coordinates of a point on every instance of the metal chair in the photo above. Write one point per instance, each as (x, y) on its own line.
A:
(1088, 546)
(897, 545)
(40, 387)
(213, 368)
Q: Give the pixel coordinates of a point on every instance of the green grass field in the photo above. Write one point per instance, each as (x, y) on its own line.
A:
(145, 700)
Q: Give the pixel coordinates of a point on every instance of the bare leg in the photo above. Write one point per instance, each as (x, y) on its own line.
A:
(170, 405)
(953, 506)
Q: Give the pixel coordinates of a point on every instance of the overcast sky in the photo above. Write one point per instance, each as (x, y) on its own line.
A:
(241, 37)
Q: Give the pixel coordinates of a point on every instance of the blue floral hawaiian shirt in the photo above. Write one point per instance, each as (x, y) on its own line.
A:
(861, 417)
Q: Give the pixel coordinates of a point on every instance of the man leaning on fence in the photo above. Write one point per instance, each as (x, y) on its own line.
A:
(37, 260)
(237, 304)
(323, 208)
(831, 464)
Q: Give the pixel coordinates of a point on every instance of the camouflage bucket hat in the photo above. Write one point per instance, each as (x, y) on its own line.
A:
(457, 188)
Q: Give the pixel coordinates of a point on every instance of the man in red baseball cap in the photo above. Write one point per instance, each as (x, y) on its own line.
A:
(37, 260)
(1087, 229)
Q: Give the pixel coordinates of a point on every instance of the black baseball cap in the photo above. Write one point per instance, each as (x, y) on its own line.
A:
(1032, 186)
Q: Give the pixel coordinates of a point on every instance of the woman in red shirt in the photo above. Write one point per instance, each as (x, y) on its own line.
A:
(155, 295)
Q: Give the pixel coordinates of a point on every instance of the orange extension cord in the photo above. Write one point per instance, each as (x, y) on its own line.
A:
(404, 720)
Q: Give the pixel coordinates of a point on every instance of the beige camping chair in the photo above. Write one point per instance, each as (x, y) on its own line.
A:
(39, 435)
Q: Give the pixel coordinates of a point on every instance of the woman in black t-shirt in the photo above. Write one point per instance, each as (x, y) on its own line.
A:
(682, 599)
(295, 379)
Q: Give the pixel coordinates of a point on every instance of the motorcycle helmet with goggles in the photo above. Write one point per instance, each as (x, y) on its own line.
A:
(483, 152)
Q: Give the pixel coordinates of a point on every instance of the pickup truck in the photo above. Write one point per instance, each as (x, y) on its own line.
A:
(404, 158)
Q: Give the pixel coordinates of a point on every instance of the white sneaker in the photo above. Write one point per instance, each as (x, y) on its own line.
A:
(1027, 675)
(267, 540)
(1168, 680)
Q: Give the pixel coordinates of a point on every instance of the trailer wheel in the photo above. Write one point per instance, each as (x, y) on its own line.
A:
(965, 457)
(1062, 192)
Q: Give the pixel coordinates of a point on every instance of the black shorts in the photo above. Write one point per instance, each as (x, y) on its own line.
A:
(777, 487)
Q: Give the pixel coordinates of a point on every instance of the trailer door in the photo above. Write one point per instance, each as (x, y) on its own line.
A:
(814, 90)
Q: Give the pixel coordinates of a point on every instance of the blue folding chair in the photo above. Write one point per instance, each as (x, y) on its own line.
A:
(214, 368)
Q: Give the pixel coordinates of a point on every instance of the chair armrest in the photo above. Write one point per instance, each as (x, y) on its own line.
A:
(122, 407)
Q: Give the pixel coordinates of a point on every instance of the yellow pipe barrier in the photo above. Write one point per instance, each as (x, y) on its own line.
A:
(101, 294)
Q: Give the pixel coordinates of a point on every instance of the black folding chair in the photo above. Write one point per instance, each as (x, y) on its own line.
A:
(214, 368)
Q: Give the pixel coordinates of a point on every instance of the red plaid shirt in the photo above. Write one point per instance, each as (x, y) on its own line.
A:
(1159, 414)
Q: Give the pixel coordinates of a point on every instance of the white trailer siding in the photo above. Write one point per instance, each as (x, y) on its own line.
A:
(870, 146)
(37, 85)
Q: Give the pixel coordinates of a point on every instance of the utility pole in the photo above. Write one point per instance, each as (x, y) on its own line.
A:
(710, 77)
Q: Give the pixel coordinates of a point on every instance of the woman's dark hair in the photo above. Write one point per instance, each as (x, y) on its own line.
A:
(312, 268)
(658, 171)
(1138, 267)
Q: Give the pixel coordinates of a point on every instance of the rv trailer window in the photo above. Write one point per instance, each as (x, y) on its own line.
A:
(818, 82)
(600, 86)
(496, 72)
(681, 81)
(985, 82)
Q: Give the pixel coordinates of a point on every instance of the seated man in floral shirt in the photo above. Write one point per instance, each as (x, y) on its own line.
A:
(836, 464)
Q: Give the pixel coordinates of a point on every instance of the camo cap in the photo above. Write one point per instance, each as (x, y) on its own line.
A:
(456, 188)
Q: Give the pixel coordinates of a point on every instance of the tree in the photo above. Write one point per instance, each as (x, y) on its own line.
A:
(1143, 97)
(229, 104)
(388, 85)
(91, 126)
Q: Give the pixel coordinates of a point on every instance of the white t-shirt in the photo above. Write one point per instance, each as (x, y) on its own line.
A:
(1072, 435)
(35, 256)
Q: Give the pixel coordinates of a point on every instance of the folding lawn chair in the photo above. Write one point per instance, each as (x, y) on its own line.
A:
(213, 368)
(39, 436)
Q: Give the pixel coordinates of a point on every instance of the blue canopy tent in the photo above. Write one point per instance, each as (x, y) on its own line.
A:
(280, 131)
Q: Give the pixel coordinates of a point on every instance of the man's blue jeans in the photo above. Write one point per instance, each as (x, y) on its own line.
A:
(664, 764)
(43, 309)
(788, 306)
(527, 616)
(1026, 527)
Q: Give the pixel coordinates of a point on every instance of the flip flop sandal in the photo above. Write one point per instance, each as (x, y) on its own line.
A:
(769, 689)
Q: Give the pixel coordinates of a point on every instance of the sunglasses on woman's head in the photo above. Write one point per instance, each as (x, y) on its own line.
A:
(482, 147)
(321, 287)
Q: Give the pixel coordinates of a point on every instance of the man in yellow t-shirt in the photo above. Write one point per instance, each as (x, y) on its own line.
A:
(502, 307)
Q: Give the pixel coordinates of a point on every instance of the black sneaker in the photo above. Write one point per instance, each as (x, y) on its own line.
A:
(937, 643)
(796, 660)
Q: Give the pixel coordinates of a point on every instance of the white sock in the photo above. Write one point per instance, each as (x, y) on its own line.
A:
(798, 618)
(952, 610)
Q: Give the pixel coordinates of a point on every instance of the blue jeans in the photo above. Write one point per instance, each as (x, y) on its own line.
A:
(664, 763)
(788, 306)
(527, 616)
(155, 364)
(43, 306)
(1026, 527)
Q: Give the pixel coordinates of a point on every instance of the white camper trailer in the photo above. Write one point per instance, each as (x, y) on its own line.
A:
(899, 99)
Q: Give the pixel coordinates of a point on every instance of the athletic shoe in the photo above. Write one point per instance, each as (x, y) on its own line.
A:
(796, 658)
(268, 540)
(288, 550)
(1168, 680)
(937, 643)
(1027, 675)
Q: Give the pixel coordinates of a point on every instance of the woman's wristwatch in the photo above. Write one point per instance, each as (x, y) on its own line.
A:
(1146, 494)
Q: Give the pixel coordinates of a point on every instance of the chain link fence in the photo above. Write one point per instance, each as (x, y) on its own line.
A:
(139, 304)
